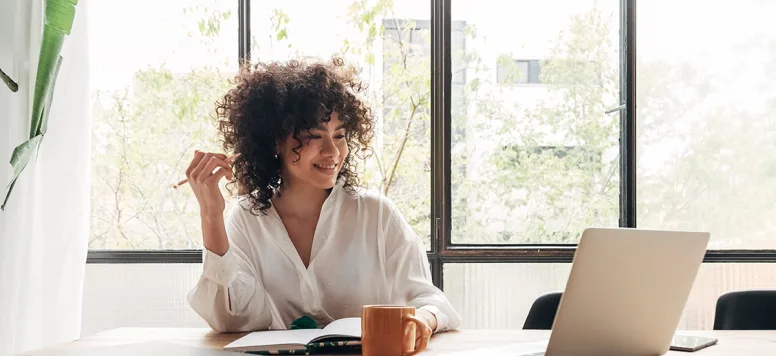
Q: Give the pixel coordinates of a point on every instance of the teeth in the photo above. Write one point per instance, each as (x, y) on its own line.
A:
(326, 166)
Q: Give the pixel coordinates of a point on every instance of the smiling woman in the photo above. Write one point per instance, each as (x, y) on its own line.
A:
(303, 239)
(277, 109)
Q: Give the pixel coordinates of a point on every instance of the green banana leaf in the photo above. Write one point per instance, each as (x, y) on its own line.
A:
(8, 81)
(49, 97)
(58, 24)
(21, 155)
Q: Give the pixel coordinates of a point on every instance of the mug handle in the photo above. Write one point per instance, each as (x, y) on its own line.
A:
(421, 327)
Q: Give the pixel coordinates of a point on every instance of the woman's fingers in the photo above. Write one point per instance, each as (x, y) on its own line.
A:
(220, 173)
(211, 165)
(219, 155)
(194, 162)
(204, 163)
(200, 168)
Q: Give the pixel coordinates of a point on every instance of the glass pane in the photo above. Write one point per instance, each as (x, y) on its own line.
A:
(706, 100)
(498, 296)
(153, 91)
(390, 42)
(535, 162)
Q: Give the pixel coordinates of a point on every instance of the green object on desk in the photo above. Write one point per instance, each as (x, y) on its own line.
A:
(304, 322)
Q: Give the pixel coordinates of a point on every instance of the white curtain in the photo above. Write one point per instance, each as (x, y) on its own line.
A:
(44, 229)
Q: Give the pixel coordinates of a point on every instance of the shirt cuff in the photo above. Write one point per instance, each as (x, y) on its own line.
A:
(219, 269)
(441, 318)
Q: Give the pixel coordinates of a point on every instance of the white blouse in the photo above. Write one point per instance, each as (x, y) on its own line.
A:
(363, 252)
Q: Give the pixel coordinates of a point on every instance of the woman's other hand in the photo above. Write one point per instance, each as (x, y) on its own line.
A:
(429, 320)
(204, 173)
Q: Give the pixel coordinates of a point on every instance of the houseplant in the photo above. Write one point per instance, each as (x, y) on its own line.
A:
(58, 21)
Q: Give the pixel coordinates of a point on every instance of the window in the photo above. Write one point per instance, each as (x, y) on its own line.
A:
(546, 195)
(152, 106)
(705, 130)
(494, 138)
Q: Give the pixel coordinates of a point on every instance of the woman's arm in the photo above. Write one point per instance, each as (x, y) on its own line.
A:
(229, 294)
(412, 282)
(411, 276)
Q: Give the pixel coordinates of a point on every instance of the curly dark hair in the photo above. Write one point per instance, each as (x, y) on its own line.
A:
(273, 100)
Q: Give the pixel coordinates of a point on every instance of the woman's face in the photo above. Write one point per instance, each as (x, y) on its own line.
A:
(320, 158)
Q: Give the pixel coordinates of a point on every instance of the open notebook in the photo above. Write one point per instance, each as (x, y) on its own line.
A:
(339, 334)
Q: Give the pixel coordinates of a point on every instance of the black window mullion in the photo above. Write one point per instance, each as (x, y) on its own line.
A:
(436, 270)
(628, 114)
(528, 255)
(441, 78)
(244, 30)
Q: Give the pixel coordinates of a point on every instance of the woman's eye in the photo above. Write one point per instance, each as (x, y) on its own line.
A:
(339, 137)
(312, 137)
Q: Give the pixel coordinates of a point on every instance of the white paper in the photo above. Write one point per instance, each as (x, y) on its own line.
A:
(275, 337)
(350, 327)
(345, 327)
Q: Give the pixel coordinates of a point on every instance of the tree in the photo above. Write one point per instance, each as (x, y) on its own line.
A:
(525, 170)
(716, 174)
(399, 166)
(143, 139)
(548, 170)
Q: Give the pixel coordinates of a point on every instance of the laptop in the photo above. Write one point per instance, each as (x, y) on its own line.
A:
(624, 296)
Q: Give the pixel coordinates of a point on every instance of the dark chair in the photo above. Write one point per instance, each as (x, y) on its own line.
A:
(746, 310)
(542, 313)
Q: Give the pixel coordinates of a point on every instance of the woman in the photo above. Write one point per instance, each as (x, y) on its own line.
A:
(303, 239)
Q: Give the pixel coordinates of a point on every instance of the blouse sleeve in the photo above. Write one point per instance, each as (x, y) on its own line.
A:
(411, 280)
(229, 296)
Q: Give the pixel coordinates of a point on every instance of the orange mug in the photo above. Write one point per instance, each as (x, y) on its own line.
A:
(390, 331)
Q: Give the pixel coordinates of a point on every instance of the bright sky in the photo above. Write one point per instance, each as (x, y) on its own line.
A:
(697, 30)
(120, 44)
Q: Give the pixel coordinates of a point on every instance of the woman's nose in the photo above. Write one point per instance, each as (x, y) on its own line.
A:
(330, 147)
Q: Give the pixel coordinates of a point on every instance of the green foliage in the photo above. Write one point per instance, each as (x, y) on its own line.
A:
(279, 25)
(58, 21)
(10, 83)
(399, 166)
(524, 170)
(546, 176)
(143, 141)
(279, 21)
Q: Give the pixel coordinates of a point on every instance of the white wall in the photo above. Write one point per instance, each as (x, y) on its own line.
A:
(117, 295)
(490, 296)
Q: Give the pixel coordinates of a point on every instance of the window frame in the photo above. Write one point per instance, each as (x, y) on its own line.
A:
(442, 249)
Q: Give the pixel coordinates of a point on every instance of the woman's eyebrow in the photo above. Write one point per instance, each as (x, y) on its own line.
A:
(323, 128)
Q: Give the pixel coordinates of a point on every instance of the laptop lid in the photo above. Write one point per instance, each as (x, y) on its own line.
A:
(626, 291)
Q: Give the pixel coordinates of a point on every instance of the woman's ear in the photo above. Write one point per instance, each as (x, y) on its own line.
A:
(278, 148)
